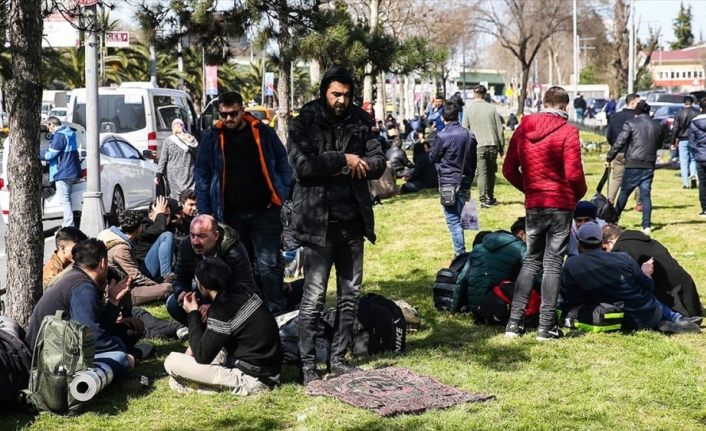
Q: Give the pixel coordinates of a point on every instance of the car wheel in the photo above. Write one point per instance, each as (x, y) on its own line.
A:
(117, 205)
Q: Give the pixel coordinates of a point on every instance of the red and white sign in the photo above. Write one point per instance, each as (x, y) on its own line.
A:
(86, 3)
(117, 39)
(60, 32)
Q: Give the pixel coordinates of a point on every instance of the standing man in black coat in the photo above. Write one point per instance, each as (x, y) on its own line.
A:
(333, 153)
(615, 126)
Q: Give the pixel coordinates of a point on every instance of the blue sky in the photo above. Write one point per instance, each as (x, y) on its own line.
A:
(662, 12)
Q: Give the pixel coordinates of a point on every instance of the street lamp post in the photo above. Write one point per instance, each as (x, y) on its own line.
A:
(92, 221)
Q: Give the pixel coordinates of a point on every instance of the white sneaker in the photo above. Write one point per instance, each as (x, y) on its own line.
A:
(646, 230)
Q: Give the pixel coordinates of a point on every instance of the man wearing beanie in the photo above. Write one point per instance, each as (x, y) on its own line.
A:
(333, 153)
(584, 212)
(596, 276)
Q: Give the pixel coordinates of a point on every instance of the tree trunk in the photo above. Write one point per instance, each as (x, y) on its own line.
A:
(24, 239)
(315, 69)
(523, 88)
(283, 93)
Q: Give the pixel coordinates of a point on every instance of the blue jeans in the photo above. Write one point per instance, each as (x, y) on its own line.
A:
(668, 314)
(63, 188)
(453, 221)
(580, 115)
(116, 360)
(687, 164)
(548, 232)
(261, 233)
(175, 309)
(637, 178)
(158, 261)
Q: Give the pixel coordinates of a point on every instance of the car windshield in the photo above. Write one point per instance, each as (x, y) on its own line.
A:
(598, 104)
(670, 98)
(117, 113)
(667, 111)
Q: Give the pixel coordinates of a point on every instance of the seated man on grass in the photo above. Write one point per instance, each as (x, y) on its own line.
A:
(154, 247)
(65, 238)
(235, 346)
(597, 276)
(674, 286)
(80, 294)
(584, 212)
(208, 238)
(187, 211)
(120, 241)
(497, 257)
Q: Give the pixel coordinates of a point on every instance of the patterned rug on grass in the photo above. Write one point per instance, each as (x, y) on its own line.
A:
(392, 391)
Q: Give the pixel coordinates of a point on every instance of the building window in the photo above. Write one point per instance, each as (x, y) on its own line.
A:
(672, 75)
(688, 74)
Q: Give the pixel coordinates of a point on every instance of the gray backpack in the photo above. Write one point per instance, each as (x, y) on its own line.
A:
(63, 348)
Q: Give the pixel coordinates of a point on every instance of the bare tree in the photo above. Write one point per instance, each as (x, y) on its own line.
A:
(522, 27)
(24, 239)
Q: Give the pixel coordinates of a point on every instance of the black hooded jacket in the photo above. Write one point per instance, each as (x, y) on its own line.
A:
(317, 147)
(674, 286)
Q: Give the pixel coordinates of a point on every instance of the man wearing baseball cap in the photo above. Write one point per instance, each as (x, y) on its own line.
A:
(596, 276)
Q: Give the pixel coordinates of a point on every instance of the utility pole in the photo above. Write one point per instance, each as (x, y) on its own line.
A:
(631, 50)
(92, 221)
(368, 79)
(576, 54)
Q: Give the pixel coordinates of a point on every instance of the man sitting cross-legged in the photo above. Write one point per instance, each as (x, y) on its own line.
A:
(235, 346)
(597, 276)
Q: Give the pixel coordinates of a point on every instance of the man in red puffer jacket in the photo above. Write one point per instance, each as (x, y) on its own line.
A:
(544, 162)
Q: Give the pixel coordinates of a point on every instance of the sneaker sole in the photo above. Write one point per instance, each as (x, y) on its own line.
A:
(512, 335)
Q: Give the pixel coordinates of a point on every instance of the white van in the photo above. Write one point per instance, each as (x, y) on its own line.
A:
(137, 111)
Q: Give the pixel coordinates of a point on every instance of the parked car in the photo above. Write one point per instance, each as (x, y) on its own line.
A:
(658, 100)
(136, 111)
(127, 178)
(665, 117)
(59, 113)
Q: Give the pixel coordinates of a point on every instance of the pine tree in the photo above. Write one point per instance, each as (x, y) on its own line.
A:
(682, 28)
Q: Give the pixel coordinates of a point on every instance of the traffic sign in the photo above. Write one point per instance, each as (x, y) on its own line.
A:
(117, 39)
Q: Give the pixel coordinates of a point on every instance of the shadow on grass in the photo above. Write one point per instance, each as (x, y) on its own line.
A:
(453, 334)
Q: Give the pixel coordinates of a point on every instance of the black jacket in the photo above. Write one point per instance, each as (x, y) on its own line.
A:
(151, 230)
(616, 122)
(680, 130)
(229, 248)
(398, 159)
(318, 143)
(640, 138)
(424, 173)
(674, 286)
(454, 153)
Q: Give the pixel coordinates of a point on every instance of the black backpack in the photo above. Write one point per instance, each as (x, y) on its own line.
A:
(605, 211)
(445, 283)
(15, 363)
(382, 326)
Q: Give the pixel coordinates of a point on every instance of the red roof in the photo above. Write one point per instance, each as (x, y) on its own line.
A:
(692, 54)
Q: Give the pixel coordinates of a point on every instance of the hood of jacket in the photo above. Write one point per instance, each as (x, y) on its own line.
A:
(497, 240)
(699, 122)
(339, 74)
(112, 237)
(229, 238)
(542, 124)
(634, 235)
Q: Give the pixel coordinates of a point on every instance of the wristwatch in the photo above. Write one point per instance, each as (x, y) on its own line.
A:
(346, 170)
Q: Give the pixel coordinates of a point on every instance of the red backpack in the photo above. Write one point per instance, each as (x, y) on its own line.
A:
(494, 308)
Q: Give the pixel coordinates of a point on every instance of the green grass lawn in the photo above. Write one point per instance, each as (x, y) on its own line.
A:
(641, 381)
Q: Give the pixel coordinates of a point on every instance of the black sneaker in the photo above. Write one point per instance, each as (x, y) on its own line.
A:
(545, 334)
(483, 199)
(694, 184)
(678, 327)
(309, 375)
(513, 330)
(491, 201)
(340, 368)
